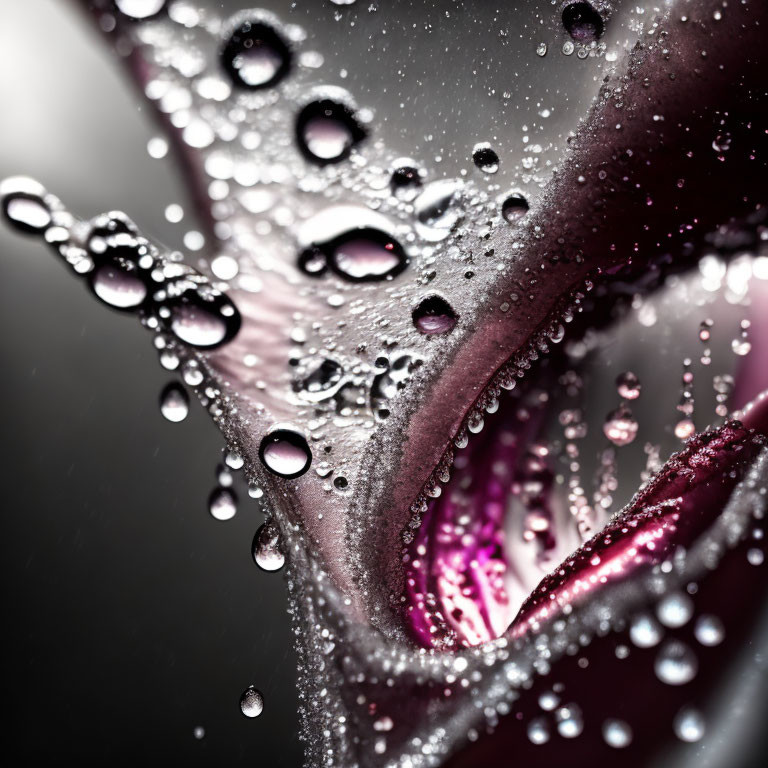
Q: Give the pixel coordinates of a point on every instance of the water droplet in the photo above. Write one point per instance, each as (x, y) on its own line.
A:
(406, 180)
(285, 452)
(675, 610)
(582, 22)
(689, 725)
(437, 209)
(644, 631)
(255, 56)
(266, 547)
(485, 158)
(222, 504)
(676, 663)
(755, 556)
(434, 315)
(709, 630)
(174, 402)
(538, 731)
(391, 381)
(617, 733)
(684, 429)
(327, 130)
(548, 700)
(24, 206)
(541, 49)
(628, 385)
(323, 380)
(620, 426)
(358, 255)
(119, 285)
(251, 702)
(569, 720)
(199, 732)
(514, 208)
(204, 319)
(140, 9)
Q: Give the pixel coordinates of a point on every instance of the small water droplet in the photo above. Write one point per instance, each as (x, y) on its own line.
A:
(676, 663)
(514, 208)
(541, 49)
(617, 733)
(199, 732)
(434, 315)
(709, 630)
(684, 429)
(485, 158)
(620, 426)
(628, 385)
(569, 720)
(222, 504)
(285, 452)
(538, 731)
(174, 402)
(255, 56)
(644, 631)
(266, 548)
(689, 725)
(675, 610)
(327, 131)
(251, 702)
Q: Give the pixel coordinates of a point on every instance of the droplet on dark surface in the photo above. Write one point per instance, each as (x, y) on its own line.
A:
(204, 320)
(405, 181)
(582, 22)
(222, 504)
(256, 56)
(327, 131)
(251, 702)
(312, 261)
(285, 453)
(514, 208)
(174, 402)
(485, 158)
(434, 315)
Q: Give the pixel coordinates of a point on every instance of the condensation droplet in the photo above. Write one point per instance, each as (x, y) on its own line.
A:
(251, 702)
(434, 315)
(570, 722)
(285, 453)
(256, 56)
(514, 208)
(582, 22)
(327, 131)
(485, 158)
(174, 402)
(140, 9)
(266, 549)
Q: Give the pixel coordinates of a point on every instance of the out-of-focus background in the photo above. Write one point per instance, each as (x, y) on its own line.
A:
(131, 616)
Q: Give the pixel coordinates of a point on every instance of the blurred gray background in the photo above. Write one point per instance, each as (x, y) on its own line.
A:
(131, 615)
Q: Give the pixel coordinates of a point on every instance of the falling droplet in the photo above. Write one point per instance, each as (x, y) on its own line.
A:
(644, 631)
(251, 702)
(327, 131)
(538, 731)
(689, 725)
(628, 385)
(676, 663)
(140, 9)
(266, 547)
(620, 426)
(222, 504)
(285, 453)
(256, 56)
(434, 315)
(582, 22)
(675, 610)
(485, 158)
(617, 733)
(684, 429)
(569, 720)
(514, 208)
(174, 402)
(199, 732)
(709, 630)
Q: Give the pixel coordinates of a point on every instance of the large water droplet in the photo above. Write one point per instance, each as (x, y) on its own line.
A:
(676, 663)
(689, 725)
(285, 452)
(204, 320)
(174, 402)
(358, 255)
(222, 504)
(434, 315)
(582, 22)
(255, 56)
(119, 285)
(514, 208)
(327, 130)
(251, 702)
(617, 733)
(140, 9)
(266, 547)
(24, 206)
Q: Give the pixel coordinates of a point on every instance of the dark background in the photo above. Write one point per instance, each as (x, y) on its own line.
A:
(131, 616)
